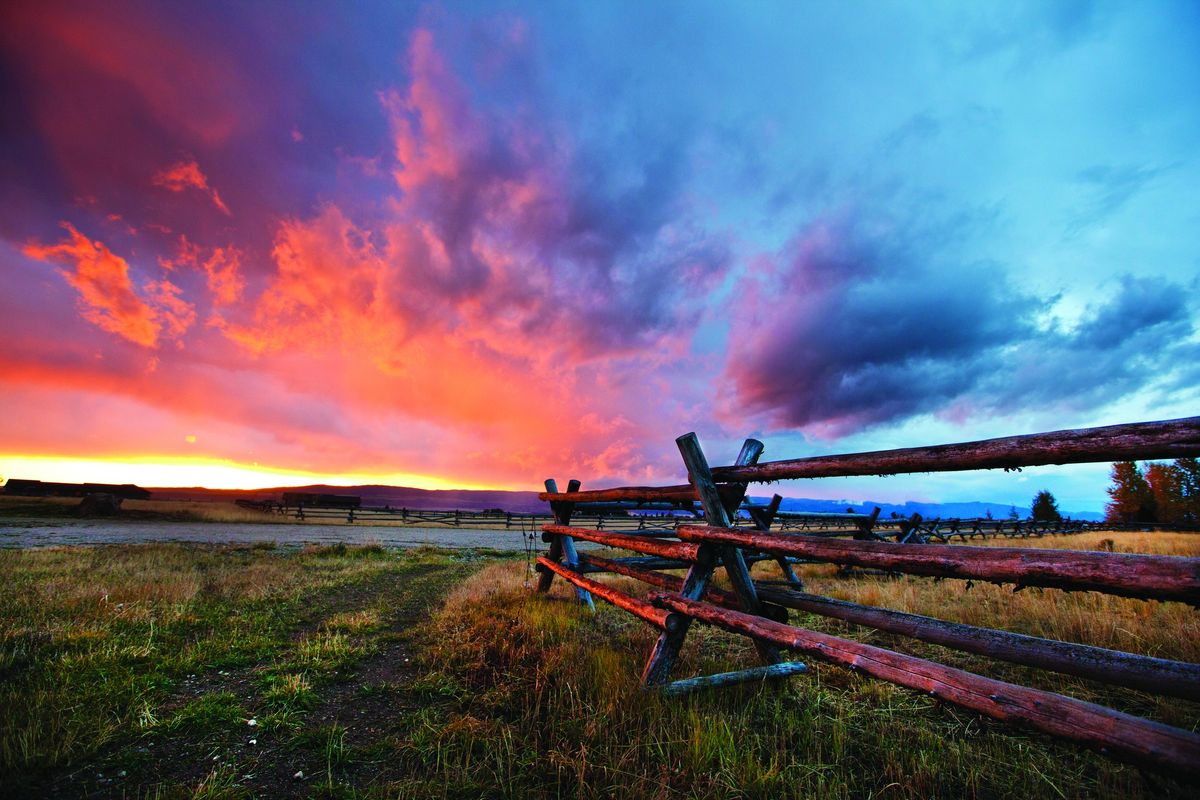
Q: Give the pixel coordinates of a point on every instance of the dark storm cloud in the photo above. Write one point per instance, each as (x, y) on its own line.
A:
(1134, 339)
(859, 324)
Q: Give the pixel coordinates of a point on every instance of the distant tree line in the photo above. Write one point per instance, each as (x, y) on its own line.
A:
(1161, 492)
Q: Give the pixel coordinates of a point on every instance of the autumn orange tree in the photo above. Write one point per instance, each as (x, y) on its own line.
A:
(1165, 492)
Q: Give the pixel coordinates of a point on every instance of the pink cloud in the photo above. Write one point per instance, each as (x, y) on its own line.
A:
(175, 313)
(187, 175)
(222, 268)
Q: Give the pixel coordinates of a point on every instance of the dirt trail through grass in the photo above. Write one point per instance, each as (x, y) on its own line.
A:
(304, 715)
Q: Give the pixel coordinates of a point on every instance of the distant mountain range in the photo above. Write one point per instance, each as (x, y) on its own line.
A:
(480, 500)
(974, 510)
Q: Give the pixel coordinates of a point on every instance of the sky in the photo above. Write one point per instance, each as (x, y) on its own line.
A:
(482, 244)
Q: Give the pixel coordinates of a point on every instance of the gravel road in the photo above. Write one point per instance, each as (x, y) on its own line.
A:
(30, 532)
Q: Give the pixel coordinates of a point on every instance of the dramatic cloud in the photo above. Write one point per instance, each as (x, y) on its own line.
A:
(187, 175)
(1135, 339)
(106, 292)
(855, 325)
(496, 258)
(487, 247)
(501, 219)
(860, 323)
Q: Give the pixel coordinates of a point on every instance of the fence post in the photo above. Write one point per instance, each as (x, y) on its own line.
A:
(731, 557)
(666, 649)
(763, 517)
(564, 545)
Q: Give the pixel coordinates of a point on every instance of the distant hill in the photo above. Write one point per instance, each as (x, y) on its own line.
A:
(375, 496)
(479, 500)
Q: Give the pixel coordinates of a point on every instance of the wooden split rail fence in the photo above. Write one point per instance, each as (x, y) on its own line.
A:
(646, 519)
(759, 609)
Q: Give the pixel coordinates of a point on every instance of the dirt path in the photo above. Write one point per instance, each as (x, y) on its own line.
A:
(340, 736)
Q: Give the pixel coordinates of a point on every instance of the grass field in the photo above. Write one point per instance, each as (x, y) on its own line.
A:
(224, 672)
(206, 671)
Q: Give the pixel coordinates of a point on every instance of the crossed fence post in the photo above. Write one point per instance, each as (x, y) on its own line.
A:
(716, 512)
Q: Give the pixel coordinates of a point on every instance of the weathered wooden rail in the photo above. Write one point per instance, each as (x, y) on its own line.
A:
(759, 609)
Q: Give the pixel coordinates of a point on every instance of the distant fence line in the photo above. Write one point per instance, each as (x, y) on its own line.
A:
(818, 523)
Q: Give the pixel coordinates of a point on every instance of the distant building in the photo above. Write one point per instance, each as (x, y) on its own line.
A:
(20, 487)
(316, 500)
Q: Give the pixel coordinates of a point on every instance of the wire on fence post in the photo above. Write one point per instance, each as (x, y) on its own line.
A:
(529, 543)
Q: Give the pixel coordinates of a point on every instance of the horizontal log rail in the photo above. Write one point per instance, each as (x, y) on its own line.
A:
(671, 583)
(674, 584)
(1122, 736)
(1155, 675)
(639, 608)
(1145, 673)
(784, 669)
(1123, 574)
(1177, 438)
(656, 563)
(640, 494)
(651, 546)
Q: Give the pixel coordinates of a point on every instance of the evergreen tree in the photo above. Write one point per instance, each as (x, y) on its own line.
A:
(1045, 507)
(1132, 500)
(1189, 475)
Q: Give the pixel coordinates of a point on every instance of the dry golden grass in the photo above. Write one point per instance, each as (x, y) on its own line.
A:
(562, 686)
(1149, 542)
(203, 510)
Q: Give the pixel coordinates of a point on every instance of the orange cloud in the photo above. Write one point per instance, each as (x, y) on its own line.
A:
(499, 315)
(177, 314)
(222, 269)
(329, 289)
(469, 307)
(187, 175)
(102, 280)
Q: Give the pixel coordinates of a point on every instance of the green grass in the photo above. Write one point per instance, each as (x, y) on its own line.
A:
(108, 652)
(206, 713)
(171, 671)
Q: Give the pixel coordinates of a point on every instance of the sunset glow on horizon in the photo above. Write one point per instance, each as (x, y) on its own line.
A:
(478, 245)
(180, 472)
